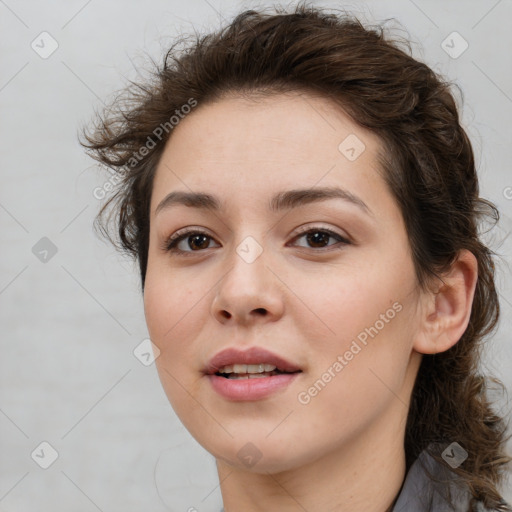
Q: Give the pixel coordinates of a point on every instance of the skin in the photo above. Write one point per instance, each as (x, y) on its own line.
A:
(342, 451)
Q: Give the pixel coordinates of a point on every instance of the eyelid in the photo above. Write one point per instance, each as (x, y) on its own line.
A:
(307, 228)
(184, 233)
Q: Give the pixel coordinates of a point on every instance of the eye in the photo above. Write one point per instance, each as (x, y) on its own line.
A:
(317, 236)
(194, 237)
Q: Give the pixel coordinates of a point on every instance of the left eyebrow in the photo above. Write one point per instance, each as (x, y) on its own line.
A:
(284, 200)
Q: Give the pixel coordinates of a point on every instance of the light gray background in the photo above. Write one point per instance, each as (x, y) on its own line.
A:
(69, 326)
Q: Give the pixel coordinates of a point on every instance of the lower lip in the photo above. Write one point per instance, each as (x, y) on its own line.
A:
(250, 389)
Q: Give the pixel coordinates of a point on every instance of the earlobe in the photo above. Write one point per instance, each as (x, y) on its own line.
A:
(447, 309)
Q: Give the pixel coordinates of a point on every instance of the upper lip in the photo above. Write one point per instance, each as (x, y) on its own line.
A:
(253, 355)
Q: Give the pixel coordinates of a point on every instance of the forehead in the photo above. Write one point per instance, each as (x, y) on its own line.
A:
(258, 145)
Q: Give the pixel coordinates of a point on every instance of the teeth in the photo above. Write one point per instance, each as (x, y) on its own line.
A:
(248, 368)
(236, 376)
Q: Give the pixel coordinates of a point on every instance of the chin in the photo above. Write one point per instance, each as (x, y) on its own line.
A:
(258, 453)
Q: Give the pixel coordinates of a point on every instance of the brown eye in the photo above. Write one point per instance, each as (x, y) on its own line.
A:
(197, 240)
(319, 238)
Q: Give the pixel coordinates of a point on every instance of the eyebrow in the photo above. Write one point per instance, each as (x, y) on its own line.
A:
(284, 200)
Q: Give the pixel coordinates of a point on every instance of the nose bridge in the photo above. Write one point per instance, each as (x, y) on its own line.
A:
(250, 249)
(248, 264)
(247, 286)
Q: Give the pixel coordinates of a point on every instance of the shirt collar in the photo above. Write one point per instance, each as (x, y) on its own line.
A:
(421, 493)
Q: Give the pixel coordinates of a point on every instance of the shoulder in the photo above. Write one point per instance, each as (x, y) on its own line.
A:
(430, 486)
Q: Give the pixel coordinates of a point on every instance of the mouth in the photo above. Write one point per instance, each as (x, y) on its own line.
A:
(252, 374)
(254, 362)
(250, 371)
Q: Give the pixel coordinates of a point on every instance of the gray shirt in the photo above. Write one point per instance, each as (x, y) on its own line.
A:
(422, 494)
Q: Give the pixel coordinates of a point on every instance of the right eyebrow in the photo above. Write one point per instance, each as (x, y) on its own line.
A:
(284, 200)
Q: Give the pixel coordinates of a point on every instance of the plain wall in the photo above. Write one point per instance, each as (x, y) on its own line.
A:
(70, 324)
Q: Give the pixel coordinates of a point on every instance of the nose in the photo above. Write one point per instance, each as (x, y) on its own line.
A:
(249, 292)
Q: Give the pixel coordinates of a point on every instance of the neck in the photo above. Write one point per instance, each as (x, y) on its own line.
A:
(365, 474)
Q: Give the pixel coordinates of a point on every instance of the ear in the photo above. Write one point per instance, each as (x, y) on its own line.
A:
(446, 310)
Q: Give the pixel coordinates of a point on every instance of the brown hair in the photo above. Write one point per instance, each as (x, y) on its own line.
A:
(428, 165)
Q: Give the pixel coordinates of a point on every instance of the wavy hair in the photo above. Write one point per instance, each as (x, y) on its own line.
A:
(428, 164)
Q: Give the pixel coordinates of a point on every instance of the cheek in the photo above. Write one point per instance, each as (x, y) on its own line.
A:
(355, 382)
(171, 311)
(367, 345)
(350, 302)
(167, 302)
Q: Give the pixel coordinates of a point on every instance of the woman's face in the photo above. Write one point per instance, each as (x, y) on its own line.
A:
(339, 305)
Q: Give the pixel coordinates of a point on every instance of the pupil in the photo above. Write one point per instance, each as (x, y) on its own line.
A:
(194, 237)
(316, 236)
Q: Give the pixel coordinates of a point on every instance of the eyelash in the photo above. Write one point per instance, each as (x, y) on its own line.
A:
(169, 244)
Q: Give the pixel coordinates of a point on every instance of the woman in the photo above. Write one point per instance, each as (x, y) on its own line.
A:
(303, 204)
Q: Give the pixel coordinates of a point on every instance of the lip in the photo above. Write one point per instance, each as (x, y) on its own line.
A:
(249, 389)
(253, 355)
